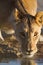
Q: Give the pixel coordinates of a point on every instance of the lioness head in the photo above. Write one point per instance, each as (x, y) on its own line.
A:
(27, 30)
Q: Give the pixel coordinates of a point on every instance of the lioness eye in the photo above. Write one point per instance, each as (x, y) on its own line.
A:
(35, 34)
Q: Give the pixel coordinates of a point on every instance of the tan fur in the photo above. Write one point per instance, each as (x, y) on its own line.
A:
(30, 6)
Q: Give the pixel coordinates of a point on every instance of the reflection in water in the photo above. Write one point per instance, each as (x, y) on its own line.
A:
(22, 61)
(28, 62)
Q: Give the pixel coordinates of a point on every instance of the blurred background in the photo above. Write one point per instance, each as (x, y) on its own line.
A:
(40, 5)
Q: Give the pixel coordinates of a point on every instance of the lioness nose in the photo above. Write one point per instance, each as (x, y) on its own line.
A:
(28, 51)
(28, 43)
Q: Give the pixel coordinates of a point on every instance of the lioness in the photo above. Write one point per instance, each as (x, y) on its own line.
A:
(27, 24)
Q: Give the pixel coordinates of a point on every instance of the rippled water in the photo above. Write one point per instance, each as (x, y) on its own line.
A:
(10, 62)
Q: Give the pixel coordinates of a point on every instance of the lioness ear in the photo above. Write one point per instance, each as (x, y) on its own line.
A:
(39, 17)
(16, 14)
